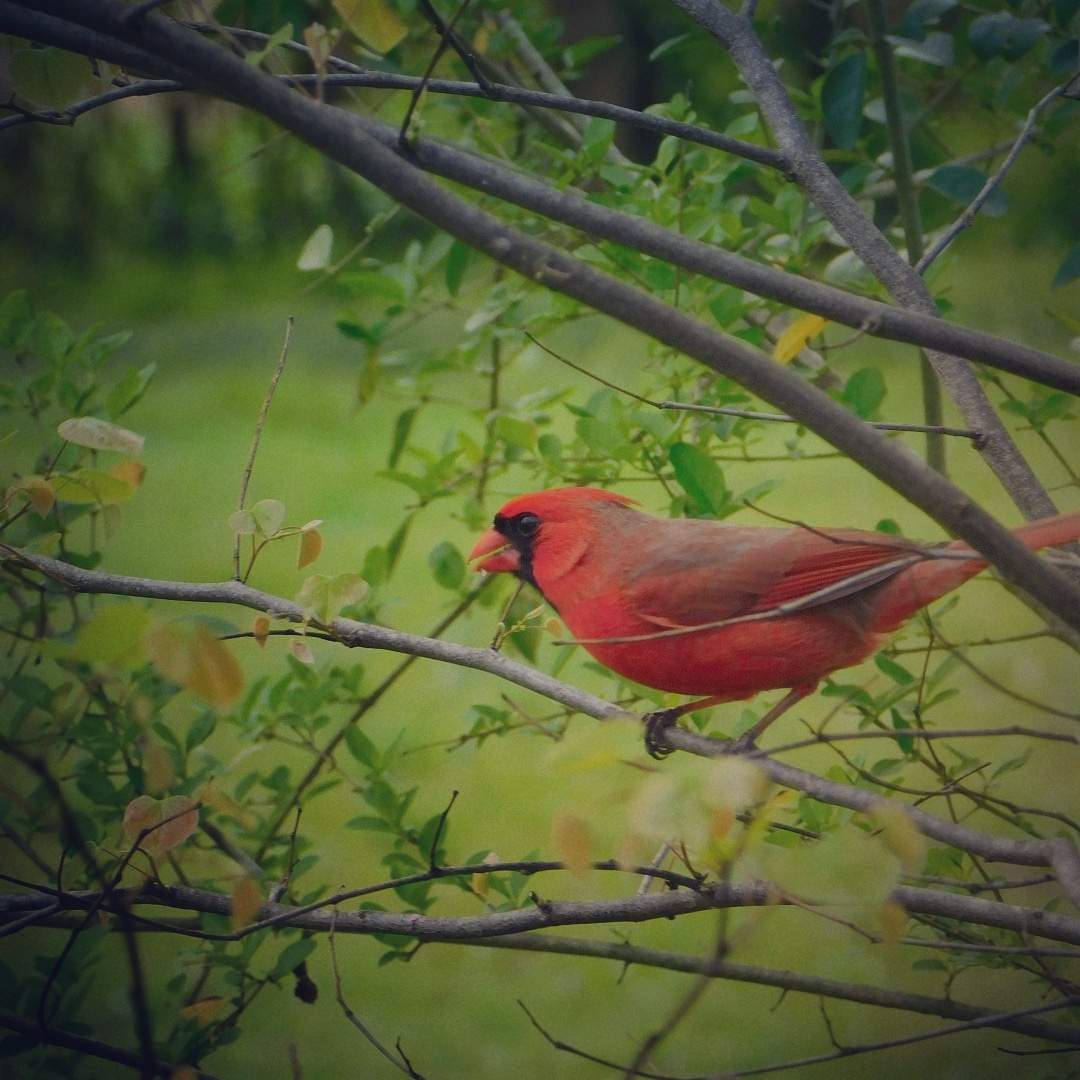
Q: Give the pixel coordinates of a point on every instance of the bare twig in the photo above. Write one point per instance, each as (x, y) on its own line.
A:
(400, 1063)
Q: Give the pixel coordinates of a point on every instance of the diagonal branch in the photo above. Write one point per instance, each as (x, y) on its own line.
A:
(1058, 852)
(736, 34)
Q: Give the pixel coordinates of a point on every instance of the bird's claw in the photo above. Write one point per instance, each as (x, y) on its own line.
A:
(744, 744)
(656, 723)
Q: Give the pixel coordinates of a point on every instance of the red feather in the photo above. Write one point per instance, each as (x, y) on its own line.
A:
(724, 611)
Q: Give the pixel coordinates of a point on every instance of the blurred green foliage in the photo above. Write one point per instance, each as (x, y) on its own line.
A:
(404, 427)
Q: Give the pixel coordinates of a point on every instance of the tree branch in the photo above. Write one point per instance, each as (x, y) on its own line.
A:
(1058, 852)
(514, 930)
(344, 139)
(809, 169)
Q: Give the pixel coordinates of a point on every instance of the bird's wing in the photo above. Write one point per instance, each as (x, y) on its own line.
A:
(701, 576)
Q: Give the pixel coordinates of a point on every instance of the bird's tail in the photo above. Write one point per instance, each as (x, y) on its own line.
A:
(926, 581)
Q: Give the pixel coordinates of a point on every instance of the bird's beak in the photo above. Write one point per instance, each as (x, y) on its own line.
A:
(494, 554)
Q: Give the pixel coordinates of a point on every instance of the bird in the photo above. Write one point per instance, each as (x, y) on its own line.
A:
(719, 611)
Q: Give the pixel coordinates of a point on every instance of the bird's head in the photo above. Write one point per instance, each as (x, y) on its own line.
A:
(541, 536)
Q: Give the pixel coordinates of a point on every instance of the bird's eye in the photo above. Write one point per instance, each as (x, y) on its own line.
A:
(525, 525)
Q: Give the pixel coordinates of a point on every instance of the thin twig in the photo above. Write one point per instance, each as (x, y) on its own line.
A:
(742, 414)
(400, 1064)
(257, 435)
(968, 216)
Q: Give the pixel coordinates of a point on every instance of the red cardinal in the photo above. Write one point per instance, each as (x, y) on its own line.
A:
(722, 611)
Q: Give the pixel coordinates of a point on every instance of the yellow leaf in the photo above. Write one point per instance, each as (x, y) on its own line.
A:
(901, 836)
(192, 657)
(892, 918)
(480, 881)
(131, 472)
(310, 546)
(793, 340)
(203, 1011)
(39, 494)
(260, 629)
(372, 22)
(246, 902)
(157, 765)
(573, 843)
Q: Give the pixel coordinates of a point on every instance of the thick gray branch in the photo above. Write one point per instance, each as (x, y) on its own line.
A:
(737, 35)
(516, 930)
(1058, 853)
(344, 139)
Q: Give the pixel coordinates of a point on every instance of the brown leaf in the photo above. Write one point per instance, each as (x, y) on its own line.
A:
(310, 547)
(246, 902)
(573, 843)
(158, 825)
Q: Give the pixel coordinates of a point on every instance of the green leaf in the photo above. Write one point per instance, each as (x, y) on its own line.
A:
(90, 486)
(50, 78)
(447, 565)
(961, 183)
(842, 98)
(516, 432)
(1003, 34)
(457, 262)
(700, 477)
(361, 747)
(51, 338)
(113, 636)
(16, 320)
(129, 390)
(292, 956)
(1069, 270)
(920, 15)
(864, 392)
(897, 672)
(402, 428)
(550, 448)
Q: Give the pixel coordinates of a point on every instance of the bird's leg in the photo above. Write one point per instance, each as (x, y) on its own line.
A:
(746, 740)
(657, 722)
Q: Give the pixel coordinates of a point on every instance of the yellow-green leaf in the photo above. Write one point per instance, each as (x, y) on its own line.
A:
(372, 22)
(324, 597)
(113, 636)
(90, 486)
